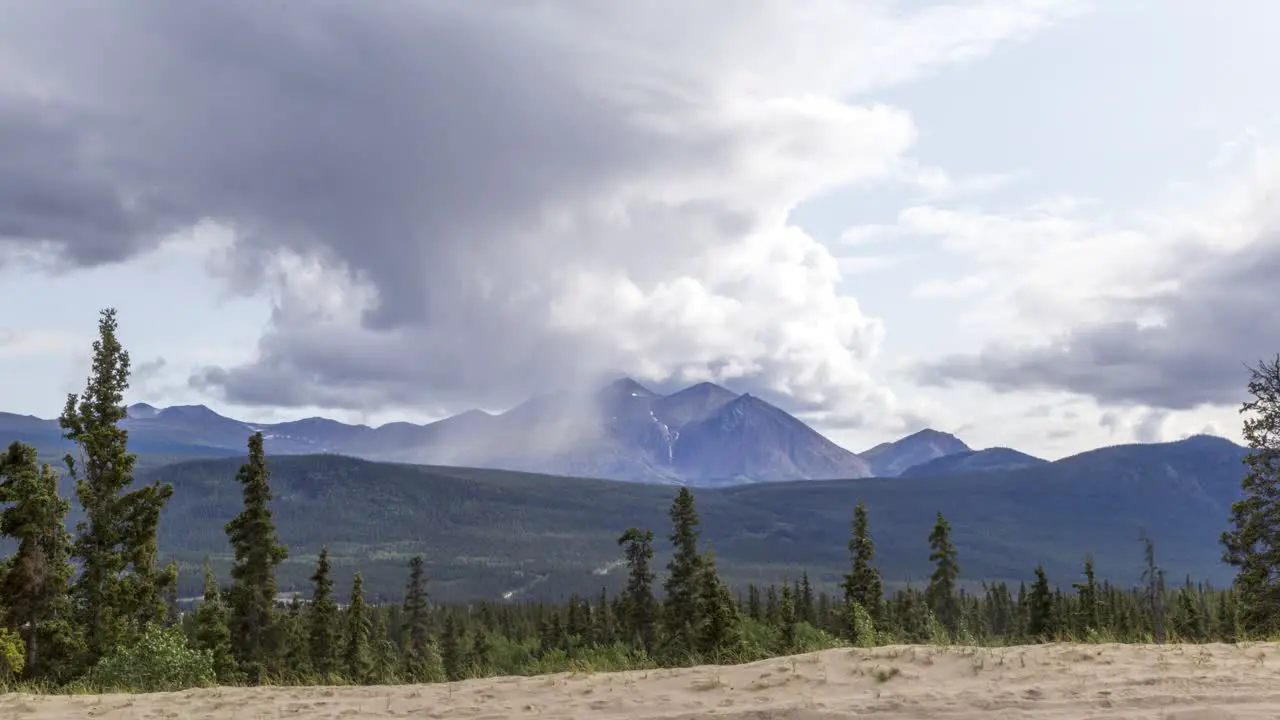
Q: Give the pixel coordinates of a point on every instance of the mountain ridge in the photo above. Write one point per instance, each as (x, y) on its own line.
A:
(703, 435)
(700, 435)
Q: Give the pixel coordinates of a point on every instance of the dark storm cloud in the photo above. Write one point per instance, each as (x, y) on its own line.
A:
(53, 192)
(407, 142)
(1221, 316)
(364, 130)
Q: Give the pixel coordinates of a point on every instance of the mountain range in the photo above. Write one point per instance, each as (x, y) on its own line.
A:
(704, 435)
(491, 532)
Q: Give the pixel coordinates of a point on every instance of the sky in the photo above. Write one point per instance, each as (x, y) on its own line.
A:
(1044, 224)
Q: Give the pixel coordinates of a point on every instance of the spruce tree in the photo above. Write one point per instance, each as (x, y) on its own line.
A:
(382, 652)
(787, 618)
(1087, 592)
(479, 655)
(720, 637)
(604, 630)
(755, 609)
(257, 553)
(1227, 620)
(862, 585)
(417, 634)
(322, 619)
(807, 608)
(681, 613)
(211, 632)
(1040, 620)
(355, 650)
(34, 593)
(941, 593)
(577, 618)
(294, 660)
(451, 650)
(1190, 624)
(1252, 545)
(639, 608)
(120, 590)
(1153, 577)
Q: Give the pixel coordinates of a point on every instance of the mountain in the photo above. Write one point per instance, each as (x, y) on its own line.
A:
(892, 458)
(486, 532)
(696, 402)
(998, 458)
(702, 435)
(748, 439)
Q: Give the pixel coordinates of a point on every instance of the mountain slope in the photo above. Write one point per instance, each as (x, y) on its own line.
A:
(892, 458)
(974, 461)
(485, 532)
(749, 439)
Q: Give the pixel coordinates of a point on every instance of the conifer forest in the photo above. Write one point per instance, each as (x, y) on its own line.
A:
(92, 607)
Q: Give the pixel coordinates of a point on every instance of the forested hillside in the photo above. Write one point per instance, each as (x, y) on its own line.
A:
(485, 533)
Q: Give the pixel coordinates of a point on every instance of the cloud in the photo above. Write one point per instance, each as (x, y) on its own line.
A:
(33, 343)
(1165, 316)
(449, 205)
(937, 184)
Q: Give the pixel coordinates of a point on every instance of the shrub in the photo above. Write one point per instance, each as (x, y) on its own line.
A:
(160, 661)
(13, 654)
(862, 629)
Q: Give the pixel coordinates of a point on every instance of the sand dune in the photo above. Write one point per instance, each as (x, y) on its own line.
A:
(1182, 682)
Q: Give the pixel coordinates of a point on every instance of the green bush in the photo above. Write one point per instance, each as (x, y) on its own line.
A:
(13, 654)
(862, 628)
(160, 661)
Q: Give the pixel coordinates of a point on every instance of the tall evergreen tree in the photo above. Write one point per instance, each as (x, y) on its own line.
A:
(417, 665)
(755, 607)
(34, 593)
(1252, 545)
(294, 659)
(257, 553)
(720, 636)
(681, 613)
(807, 609)
(355, 650)
(772, 609)
(451, 650)
(1227, 620)
(1040, 615)
(639, 608)
(120, 590)
(1087, 592)
(941, 592)
(1153, 577)
(211, 631)
(479, 655)
(322, 620)
(382, 652)
(604, 629)
(787, 618)
(863, 585)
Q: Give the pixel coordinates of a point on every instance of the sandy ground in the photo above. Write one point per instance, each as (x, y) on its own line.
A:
(1193, 682)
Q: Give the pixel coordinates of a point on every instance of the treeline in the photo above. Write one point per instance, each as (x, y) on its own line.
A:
(94, 608)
